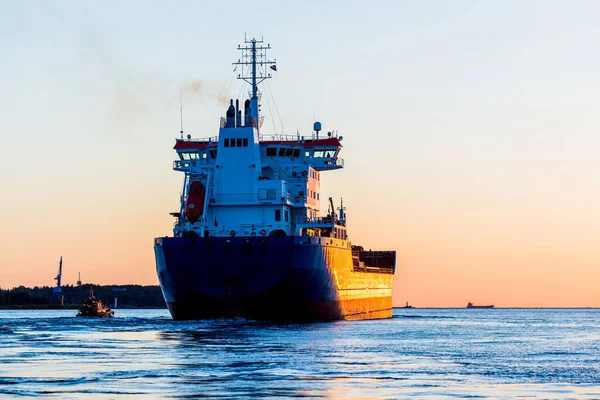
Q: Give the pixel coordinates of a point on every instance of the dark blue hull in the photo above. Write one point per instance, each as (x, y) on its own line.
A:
(266, 278)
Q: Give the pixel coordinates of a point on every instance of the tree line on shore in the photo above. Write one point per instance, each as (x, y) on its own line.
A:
(127, 295)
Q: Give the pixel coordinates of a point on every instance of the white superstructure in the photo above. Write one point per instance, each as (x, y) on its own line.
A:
(247, 184)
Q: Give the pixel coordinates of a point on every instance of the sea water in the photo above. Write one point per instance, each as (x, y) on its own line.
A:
(419, 353)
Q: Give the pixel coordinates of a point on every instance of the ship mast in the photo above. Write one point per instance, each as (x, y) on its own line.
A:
(254, 62)
(254, 88)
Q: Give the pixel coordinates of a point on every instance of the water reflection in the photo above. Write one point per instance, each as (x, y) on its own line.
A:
(418, 353)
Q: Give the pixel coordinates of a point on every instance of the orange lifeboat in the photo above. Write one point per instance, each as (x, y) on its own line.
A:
(194, 205)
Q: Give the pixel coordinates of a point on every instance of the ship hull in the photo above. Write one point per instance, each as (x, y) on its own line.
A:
(291, 278)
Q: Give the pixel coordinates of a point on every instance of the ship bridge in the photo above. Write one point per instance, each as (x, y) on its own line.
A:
(321, 153)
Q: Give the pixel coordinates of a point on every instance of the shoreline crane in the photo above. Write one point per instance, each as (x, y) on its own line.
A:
(57, 296)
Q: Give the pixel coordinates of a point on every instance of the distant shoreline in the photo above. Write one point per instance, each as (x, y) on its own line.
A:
(45, 298)
(76, 306)
(499, 308)
(69, 307)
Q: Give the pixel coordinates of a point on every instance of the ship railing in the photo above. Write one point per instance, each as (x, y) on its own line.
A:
(288, 138)
(334, 162)
(271, 137)
(321, 221)
(184, 165)
(380, 270)
(262, 196)
(280, 138)
(180, 165)
(375, 270)
(233, 198)
(211, 139)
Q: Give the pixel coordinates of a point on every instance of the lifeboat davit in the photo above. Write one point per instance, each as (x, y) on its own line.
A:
(194, 205)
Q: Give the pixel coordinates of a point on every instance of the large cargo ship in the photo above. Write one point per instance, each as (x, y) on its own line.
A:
(250, 239)
(471, 305)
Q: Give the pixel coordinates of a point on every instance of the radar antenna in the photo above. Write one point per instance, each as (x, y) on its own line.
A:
(254, 60)
(181, 110)
(342, 210)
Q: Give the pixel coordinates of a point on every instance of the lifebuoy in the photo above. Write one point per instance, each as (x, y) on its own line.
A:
(232, 233)
(304, 173)
(263, 232)
(297, 198)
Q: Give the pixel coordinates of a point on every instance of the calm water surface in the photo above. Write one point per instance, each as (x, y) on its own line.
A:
(419, 353)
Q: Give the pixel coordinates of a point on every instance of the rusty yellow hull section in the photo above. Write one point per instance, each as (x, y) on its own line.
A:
(292, 278)
(362, 294)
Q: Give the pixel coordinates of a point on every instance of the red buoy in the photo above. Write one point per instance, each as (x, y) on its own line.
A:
(194, 205)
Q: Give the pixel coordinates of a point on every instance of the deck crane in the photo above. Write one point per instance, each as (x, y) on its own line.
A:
(332, 207)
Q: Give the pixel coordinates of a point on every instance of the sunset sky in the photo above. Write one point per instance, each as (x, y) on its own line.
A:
(471, 134)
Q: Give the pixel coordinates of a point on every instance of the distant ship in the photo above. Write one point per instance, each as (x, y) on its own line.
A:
(407, 305)
(249, 238)
(470, 305)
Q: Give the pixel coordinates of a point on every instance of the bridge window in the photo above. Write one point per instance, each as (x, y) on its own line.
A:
(194, 156)
(185, 156)
(277, 215)
(296, 153)
(281, 152)
(271, 151)
(213, 154)
(286, 215)
(289, 152)
(237, 142)
(324, 153)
